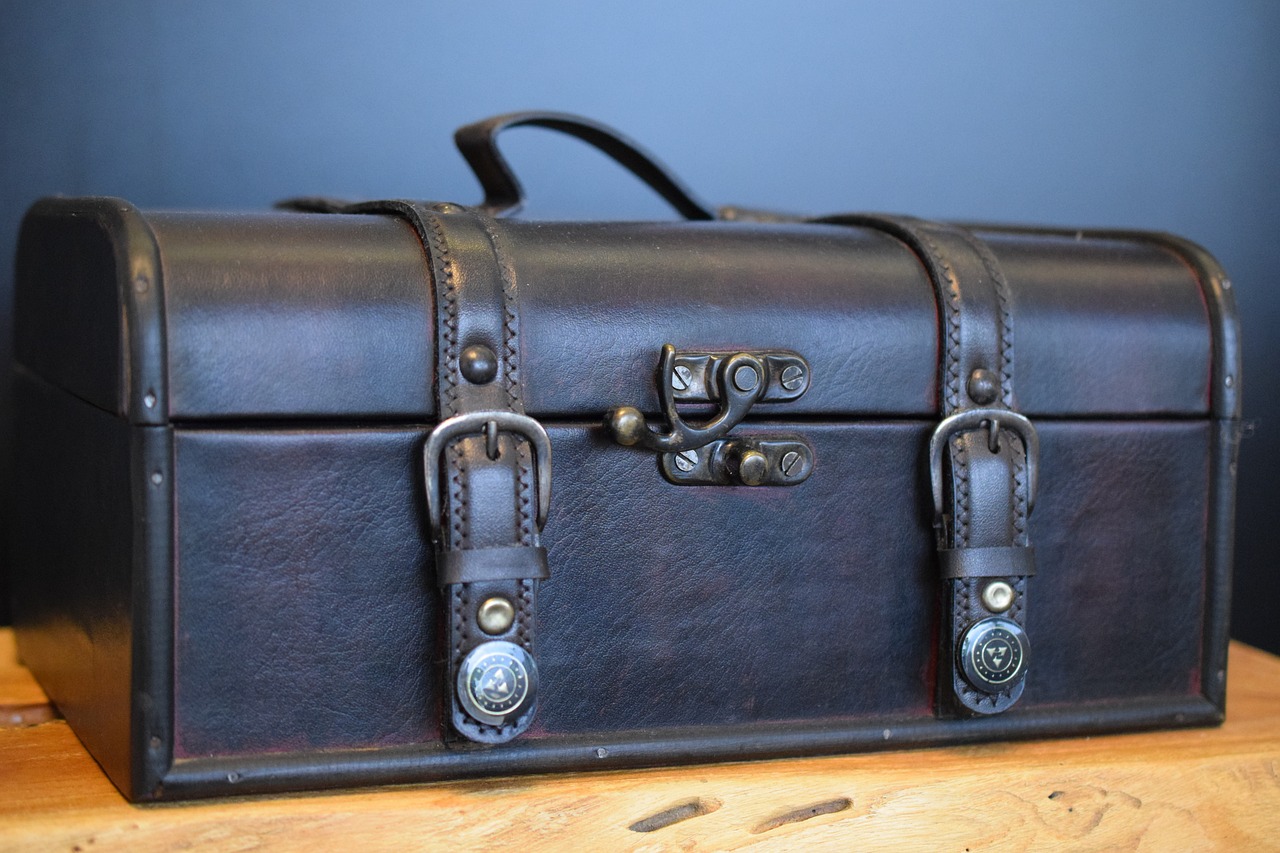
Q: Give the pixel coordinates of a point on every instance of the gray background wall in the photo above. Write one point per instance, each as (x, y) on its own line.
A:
(1160, 115)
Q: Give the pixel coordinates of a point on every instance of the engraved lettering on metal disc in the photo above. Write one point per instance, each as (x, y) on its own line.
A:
(495, 681)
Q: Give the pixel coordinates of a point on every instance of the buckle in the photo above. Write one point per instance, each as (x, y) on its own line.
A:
(996, 420)
(489, 424)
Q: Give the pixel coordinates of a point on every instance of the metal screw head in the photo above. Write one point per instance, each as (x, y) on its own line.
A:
(997, 596)
(479, 365)
(686, 460)
(983, 386)
(745, 378)
(790, 464)
(681, 378)
(753, 467)
(495, 615)
(792, 377)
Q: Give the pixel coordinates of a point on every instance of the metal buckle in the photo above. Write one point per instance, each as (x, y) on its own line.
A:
(996, 420)
(487, 424)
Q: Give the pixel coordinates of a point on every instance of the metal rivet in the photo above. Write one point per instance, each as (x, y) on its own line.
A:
(495, 615)
(792, 377)
(745, 378)
(1226, 284)
(790, 464)
(1229, 381)
(149, 400)
(753, 467)
(997, 596)
(681, 378)
(141, 283)
(687, 460)
(982, 386)
(601, 752)
(157, 478)
(479, 364)
(626, 424)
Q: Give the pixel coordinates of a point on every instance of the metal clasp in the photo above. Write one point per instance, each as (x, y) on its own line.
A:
(488, 424)
(737, 382)
(995, 420)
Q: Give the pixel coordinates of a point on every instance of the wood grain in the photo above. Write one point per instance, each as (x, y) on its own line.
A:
(1202, 789)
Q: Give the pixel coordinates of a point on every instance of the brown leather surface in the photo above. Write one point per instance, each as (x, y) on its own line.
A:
(305, 618)
(857, 304)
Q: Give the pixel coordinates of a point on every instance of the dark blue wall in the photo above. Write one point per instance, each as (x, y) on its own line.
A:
(1158, 115)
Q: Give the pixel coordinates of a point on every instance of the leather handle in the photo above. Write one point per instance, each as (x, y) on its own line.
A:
(478, 143)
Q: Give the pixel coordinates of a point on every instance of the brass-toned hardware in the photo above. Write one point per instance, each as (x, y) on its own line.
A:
(982, 386)
(754, 461)
(478, 364)
(695, 376)
(997, 596)
(748, 465)
(495, 615)
(736, 381)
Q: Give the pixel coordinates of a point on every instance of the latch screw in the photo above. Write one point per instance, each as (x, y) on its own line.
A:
(792, 377)
(790, 464)
(681, 378)
(687, 460)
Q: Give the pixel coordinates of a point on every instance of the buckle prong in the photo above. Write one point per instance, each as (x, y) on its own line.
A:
(489, 424)
(995, 420)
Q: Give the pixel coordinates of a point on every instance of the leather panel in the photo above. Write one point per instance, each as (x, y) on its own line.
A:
(306, 614)
(285, 315)
(1106, 327)
(672, 606)
(599, 300)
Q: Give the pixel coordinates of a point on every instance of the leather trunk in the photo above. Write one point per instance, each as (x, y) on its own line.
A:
(226, 572)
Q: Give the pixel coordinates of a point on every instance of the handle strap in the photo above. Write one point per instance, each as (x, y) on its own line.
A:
(478, 143)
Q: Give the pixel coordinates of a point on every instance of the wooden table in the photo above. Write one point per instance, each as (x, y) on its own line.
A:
(1181, 790)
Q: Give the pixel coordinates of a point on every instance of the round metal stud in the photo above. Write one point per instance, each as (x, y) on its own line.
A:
(993, 655)
(997, 596)
(478, 364)
(495, 615)
(626, 424)
(753, 468)
(496, 680)
(982, 386)
(745, 378)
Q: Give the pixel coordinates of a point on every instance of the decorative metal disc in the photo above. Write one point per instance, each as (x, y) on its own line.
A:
(496, 681)
(993, 655)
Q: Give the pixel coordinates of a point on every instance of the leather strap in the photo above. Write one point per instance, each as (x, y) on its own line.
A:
(489, 517)
(487, 540)
(982, 531)
(987, 562)
(491, 564)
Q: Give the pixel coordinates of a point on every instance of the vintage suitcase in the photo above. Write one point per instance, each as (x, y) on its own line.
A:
(346, 495)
